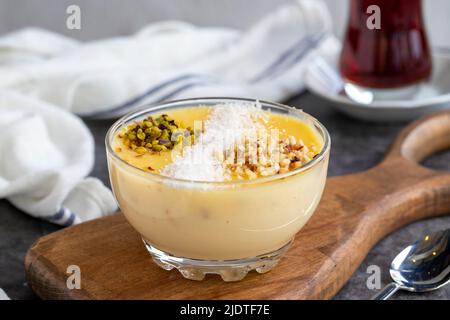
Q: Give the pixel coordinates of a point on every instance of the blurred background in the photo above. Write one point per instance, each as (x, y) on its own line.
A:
(105, 18)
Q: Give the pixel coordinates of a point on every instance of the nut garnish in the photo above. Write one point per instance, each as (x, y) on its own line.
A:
(293, 154)
(155, 134)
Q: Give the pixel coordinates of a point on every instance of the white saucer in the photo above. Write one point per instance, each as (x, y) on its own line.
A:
(323, 79)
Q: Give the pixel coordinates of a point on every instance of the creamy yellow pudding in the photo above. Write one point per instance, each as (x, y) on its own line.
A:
(220, 210)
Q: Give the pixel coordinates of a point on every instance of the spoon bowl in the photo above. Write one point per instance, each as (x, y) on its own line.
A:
(420, 267)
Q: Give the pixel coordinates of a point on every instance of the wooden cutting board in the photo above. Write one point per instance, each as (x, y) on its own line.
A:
(356, 211)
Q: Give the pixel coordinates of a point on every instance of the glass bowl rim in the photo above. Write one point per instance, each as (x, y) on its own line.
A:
(155, 107)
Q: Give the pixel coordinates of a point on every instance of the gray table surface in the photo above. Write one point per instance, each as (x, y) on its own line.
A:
(356, 146)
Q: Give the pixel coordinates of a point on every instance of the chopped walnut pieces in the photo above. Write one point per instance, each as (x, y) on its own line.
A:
(293, 154)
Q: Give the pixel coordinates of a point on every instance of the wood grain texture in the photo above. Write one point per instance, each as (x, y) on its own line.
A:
(356, 211)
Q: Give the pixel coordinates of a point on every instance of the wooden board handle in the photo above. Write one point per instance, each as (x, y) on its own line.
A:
(422, 138)
(401, 172)
(400, 190)
(402, 181)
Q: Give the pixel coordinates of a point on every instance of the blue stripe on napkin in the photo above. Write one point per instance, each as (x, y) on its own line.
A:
(122, 108)
(63, 216)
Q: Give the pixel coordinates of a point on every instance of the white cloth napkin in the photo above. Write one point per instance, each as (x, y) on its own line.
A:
(3, 295)
(166, 61)
(45, 153)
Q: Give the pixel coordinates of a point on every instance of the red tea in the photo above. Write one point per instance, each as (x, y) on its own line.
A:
(395, 55)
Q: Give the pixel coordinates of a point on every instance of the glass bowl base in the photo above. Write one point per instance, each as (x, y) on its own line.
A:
(229, 270)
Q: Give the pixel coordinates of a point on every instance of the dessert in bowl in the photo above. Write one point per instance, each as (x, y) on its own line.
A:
(218, 185)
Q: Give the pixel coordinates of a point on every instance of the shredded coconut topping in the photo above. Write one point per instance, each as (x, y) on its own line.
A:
(226, 124)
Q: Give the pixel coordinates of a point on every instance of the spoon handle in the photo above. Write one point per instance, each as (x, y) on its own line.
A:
(387, 291)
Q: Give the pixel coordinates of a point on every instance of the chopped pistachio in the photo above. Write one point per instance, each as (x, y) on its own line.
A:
(141, 135)
(164, 135)
(158, 147)
(154, 134)
(141, 150)
(132, 136)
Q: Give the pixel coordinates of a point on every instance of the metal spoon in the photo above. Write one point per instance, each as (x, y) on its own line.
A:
(423, 266)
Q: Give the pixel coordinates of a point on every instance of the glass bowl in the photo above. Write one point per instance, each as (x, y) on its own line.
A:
(226, 228)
